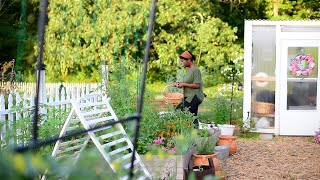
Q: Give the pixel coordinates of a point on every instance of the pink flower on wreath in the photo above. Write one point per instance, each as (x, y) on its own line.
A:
(299, 71)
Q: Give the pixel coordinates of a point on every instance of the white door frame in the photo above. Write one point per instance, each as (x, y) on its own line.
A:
(296, 122)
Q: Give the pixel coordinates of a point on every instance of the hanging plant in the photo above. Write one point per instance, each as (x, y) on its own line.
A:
(302, 65)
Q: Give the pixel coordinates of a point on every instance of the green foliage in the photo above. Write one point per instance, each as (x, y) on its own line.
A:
(209, 38)
(220, 101)
(32, 166)
(81, 34)
(185, 142)
(246, 129)
(288, 10)
(221, 111)
(203, 133)
(123, 91)
(206, 146)
(50, 123)
(80, 44)
(163, 130)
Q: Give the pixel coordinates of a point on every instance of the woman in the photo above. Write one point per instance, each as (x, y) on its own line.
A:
(191, 84)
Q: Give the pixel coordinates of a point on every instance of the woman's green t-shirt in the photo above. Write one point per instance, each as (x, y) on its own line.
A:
(193, 76)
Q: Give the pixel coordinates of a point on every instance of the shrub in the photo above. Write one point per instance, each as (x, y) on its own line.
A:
(221, 110)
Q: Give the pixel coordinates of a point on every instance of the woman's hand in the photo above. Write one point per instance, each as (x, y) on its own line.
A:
(175, 84)
(181, 84)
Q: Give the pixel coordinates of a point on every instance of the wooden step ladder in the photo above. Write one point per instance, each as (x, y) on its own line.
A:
(112, 141)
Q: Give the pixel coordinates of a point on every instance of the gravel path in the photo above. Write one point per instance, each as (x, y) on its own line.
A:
(281, 158)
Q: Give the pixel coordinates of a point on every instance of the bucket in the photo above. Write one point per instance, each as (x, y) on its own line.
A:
(222, 152)
(226, 129)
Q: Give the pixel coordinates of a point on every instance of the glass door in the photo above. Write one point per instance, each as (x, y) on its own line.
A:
(299, 111)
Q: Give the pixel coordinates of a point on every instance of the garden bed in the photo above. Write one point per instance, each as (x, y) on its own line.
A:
(281, 158)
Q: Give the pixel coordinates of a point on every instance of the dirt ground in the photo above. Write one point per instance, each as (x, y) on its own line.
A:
(280, 158)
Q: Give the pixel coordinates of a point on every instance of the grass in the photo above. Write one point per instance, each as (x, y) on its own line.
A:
(249, 136)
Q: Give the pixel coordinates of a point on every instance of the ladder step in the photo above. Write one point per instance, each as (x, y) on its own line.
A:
(95, 121)
(70, 149)
(90, 96)
(127, 156)
(70, 128)
(114, 142)
(92, 112)
(74, 121)
(91, 104)
(143, 178)
(105, 136)
(127, 166)
(119, 150)
(101, 129)
(73, 141)
(74, 155)
(140, 178)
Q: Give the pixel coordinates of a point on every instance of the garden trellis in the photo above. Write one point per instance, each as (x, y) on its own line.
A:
(136, 116)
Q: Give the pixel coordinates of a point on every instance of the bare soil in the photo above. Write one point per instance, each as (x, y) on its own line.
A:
(280, 158)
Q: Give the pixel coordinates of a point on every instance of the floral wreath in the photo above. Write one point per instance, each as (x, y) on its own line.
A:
(302, 65)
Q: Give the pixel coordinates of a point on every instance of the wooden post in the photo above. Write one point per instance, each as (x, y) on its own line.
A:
(275, 8)
(104, 74)
(42, 88)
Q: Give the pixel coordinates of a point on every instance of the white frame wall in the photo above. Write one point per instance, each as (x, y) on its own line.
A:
(248, 63)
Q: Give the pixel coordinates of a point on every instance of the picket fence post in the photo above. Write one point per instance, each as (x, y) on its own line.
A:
(2, 119)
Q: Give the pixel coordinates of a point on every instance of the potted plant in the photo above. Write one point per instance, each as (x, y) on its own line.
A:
(205, 149)
(221, 115)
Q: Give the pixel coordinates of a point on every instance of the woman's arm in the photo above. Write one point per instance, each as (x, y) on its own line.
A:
(192, 86)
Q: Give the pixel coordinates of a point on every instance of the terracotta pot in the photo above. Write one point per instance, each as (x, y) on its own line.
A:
(202, 160)
(226, 140)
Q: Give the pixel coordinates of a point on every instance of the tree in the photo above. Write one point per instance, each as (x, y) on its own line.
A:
(209, 38)
(82, 33)
(288, 10)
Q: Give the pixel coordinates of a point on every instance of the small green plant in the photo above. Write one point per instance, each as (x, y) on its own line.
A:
(221, 110)
(203, 133)
(247, 130)
(206, 146)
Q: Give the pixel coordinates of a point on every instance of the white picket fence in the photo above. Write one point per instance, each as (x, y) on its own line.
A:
(57, 95)
(29, 88)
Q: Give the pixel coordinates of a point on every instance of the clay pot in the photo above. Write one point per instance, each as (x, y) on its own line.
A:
(202, 160)
(226, 140)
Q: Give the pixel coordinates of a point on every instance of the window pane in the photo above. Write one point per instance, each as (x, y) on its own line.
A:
(302, 95)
